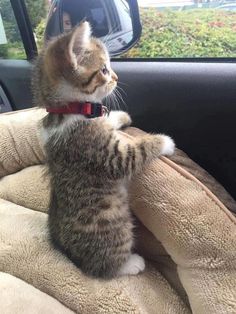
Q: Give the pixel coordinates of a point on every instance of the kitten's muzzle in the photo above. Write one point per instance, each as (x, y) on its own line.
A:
(114, 76)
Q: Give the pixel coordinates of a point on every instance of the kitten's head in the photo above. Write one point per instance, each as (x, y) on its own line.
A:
(74, 67)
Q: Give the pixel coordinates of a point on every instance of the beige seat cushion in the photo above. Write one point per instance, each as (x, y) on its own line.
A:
(189, 234)
(18, 297)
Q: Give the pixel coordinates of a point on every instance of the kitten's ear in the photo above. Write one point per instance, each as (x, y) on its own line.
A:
(79, 40)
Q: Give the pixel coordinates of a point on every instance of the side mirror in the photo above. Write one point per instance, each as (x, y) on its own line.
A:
(115, 22)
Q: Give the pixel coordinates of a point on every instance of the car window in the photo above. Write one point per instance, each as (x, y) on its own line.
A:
(38, 10)
(171, 29)
(186, 29)
(11, 46)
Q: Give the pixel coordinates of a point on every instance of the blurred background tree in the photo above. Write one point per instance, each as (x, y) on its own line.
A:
(37, 10)
(192, 32)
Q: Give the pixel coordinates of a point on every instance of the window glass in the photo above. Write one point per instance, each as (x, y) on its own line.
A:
(37, 10)
(171, 28)
(11, 46)
(186, 28)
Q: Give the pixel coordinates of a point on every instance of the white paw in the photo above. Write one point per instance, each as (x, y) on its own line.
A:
(119, 119)
(133, 266)
(168, 146)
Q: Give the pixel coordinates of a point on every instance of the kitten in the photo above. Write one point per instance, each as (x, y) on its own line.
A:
(88, 161)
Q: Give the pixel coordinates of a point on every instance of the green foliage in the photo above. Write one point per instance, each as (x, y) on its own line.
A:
(9, 21)
(3, 51)
(14, 48)
(190, 33)
(168, 33)
(15, 51)
(39, 33)
(37, 10)
(6, 10)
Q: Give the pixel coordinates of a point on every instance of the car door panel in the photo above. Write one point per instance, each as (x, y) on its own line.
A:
(192, 102)
(15, 81)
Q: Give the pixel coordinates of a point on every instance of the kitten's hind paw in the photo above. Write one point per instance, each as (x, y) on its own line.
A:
(133, 266)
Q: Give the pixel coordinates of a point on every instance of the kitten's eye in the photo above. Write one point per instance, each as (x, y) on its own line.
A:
(104, 70)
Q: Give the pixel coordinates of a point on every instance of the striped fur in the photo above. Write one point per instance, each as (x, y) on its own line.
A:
(90, 162)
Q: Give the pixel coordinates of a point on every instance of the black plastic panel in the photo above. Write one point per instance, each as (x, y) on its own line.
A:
(15, 80)
(195, 103)
(5, 105)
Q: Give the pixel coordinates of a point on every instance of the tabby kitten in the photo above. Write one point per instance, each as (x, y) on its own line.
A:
(89, 162)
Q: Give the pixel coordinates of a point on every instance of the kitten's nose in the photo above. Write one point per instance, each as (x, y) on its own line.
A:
(114, 76)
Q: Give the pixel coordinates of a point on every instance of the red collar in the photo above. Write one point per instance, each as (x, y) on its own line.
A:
(88, 109)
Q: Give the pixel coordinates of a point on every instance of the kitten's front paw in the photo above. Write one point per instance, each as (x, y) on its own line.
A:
(133, 266)
(119, 119)
(168, 147)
